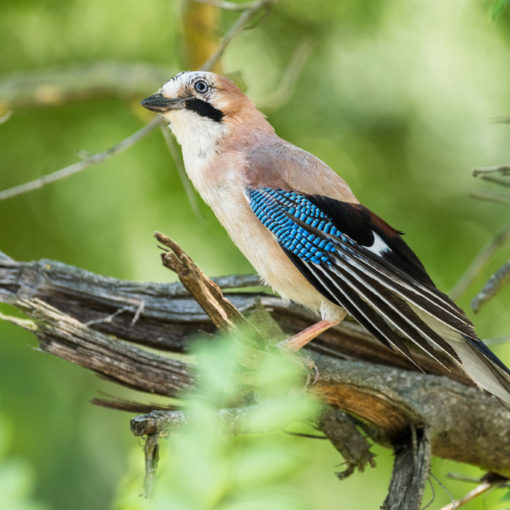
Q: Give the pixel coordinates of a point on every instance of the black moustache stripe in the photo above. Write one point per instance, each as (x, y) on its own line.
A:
(204, 109)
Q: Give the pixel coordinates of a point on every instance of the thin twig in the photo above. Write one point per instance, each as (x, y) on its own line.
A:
(496, 180)
(6, 116)
(289, 78)
(176, 156)
(503, 119)
(485, 486)
(236, 29)
(443, 486)
(238, 26)
(151, 451)
(499, 198)
(228, 6)
(480, 262)
(94, 159)
(462, 478)
(157, 422)
(496, 174)
(497, 340)
(492, 287)
(110, 317)
(499, 169)
(471, 479)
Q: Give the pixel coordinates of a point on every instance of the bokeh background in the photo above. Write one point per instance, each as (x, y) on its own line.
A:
(396, 96)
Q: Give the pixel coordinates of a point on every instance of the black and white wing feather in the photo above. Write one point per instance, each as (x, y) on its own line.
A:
(356, 260)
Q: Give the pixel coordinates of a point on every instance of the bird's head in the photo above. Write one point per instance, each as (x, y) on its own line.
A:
(203, 105)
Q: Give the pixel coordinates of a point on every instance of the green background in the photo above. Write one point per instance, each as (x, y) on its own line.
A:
(397, 97)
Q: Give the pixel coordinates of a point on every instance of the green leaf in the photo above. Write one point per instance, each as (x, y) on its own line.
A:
(498, 7)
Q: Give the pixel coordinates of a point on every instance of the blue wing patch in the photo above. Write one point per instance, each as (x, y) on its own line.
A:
(278, 211)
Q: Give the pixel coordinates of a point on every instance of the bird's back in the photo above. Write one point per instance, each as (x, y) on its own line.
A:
(374, 271)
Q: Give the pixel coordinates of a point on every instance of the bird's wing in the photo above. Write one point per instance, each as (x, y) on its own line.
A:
(356, 260)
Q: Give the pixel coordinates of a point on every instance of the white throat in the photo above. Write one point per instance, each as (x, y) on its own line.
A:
(198, 136)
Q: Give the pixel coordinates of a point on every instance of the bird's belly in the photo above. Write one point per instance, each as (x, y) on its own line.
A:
(260, 247)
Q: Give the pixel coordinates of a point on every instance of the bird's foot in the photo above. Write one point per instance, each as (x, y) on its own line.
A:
(299, 340)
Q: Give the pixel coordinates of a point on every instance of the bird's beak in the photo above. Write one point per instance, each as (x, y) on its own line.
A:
(161, 104)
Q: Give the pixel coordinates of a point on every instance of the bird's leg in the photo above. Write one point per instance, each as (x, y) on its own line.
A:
(299, 340)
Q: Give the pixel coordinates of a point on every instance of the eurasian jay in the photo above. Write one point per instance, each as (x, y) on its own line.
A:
(307, 235)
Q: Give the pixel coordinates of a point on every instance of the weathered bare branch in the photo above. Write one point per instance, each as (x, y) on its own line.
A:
(67, 338)
(463, 423)
(170, 316)
(343, 432)
(411, 469)
(158, 422)
(207, 294)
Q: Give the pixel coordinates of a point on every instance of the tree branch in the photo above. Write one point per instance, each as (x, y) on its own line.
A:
(462, 422)
(67, 338)
(207, 294)
(483, 258)
(94, 159)
(490, 481)
(491, 196)
(171, 143)
(51, 94)
(228, 6)
(288, 79)
(492, 287)
(236, 29)
(410, 471)
(480, 262)
(61, 85)
(170, 317)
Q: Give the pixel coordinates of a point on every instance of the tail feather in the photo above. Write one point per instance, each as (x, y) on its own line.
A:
(497, 368)
(483, 367)
(484, 372)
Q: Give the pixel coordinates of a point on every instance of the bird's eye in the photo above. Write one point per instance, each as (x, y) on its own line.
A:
(201, 86)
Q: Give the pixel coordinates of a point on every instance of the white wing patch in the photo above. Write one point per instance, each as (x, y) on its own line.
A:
(378, 246)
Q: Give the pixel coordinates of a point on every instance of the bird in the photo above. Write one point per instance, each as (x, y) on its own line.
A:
(307, 235)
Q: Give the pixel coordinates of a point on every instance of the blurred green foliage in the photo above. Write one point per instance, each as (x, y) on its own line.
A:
(396, 97)
(205, 467)
(16, 477)
(498, 7)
